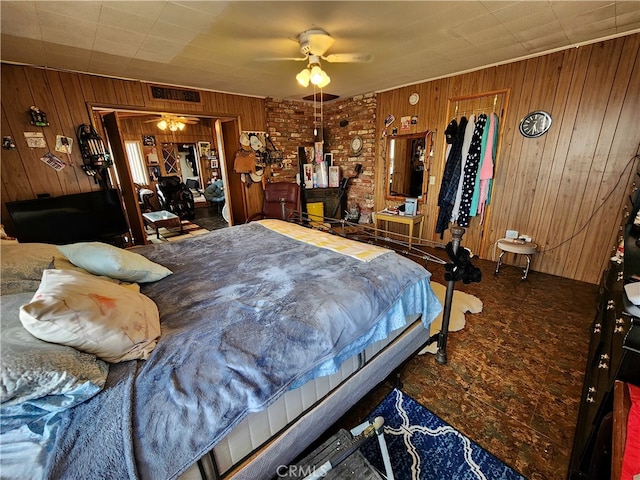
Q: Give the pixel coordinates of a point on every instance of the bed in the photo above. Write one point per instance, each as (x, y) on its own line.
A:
(269, 333)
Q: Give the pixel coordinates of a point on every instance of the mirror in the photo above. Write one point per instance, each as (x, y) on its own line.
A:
(408, 162)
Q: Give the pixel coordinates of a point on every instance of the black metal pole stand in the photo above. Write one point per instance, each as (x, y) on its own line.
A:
(441, 353)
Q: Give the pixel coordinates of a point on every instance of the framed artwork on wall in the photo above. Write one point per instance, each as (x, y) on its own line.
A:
(148, 140)
(334, 176)
(204, 149)
(154, 173)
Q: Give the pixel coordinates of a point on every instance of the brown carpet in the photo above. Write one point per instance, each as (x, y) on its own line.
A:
(514, 374)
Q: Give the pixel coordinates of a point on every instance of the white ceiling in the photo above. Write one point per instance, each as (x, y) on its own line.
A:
(217, 45)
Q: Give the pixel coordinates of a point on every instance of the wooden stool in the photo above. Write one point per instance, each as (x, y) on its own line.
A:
(517, 248)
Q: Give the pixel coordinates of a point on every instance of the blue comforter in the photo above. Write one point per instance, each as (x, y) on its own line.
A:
(247, 314)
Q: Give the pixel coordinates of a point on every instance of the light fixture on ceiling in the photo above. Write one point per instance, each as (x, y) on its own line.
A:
(313, 73)
(170, 123)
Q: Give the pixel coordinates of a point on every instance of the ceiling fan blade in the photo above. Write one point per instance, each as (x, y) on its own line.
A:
(276, 59)
(152, 120)
(348, 58)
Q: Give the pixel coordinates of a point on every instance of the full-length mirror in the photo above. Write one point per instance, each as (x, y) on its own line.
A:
(408, 162)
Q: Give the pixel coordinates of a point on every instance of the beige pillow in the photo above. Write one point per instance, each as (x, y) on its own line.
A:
(22, 265)
(92, 315)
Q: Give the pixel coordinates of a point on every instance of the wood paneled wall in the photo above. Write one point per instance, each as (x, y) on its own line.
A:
(564, 189)
(65, 97)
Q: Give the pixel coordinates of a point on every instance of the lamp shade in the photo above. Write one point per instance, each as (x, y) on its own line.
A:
(316, 74)
(303, 77)
(325, 80)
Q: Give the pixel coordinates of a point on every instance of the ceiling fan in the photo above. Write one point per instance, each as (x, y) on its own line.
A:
(314, 45)
(172, 122)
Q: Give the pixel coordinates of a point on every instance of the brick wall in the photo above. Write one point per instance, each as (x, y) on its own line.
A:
(290, 124)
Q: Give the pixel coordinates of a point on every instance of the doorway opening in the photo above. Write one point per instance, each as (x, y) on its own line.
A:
(145, 155)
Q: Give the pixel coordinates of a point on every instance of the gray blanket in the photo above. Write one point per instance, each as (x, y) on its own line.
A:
(246, 314)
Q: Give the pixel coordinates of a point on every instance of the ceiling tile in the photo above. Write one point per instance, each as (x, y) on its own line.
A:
(68, 58)
(175, 33)
(116, 41)
(185, 17)
(147, 9)
(20, 19)
(16, 49)
(104, 63)
(85, 11)
(68, 33)
(110, 17)
(156, 49)
(518, 19)
(210, 8)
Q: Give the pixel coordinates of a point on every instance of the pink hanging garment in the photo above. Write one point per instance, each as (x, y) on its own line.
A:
(486, 170)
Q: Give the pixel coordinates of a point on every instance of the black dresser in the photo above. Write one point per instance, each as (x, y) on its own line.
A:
(614, 353)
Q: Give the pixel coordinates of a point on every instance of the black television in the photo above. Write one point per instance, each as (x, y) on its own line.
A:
(80, 217)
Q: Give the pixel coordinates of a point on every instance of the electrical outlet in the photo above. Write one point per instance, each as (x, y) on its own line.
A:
(511, 234)
(432, 180)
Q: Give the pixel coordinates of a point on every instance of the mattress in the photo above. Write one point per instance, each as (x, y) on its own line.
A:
(276, 436)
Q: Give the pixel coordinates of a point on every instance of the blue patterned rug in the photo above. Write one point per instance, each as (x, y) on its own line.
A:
(422, 446)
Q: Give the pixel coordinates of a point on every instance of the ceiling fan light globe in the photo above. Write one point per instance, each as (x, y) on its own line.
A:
(162, 124)
(325, 80)
(303, 77)
(316, 75)
(180, 126)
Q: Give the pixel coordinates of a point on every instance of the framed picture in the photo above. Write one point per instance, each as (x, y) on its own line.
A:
(318, 151)
(149, 140)
(154, 173)
(151, 154)
(204, 149)
(214, 163)
(334, 176)
(410, 206)
(328, 158)
(308, 175)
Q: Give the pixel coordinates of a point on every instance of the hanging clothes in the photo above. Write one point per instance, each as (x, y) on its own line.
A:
(487, 166)
(471, 171)
(450, 135)
(468, 134)
(450, 177)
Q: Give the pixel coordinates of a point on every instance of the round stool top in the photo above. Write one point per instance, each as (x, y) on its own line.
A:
(508, 245)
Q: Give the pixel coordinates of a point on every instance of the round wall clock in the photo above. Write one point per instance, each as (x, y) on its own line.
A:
(535, 124)
(356, 145)
(414, 99)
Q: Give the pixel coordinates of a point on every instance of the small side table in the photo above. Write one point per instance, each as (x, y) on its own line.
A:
(517, 248)
(410, 221)
(162, 218)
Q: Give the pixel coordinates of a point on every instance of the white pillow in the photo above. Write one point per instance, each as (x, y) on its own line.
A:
(33, 369)
(103, 259)
(92, 315)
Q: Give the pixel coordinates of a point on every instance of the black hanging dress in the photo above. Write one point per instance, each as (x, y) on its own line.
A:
(450, 177)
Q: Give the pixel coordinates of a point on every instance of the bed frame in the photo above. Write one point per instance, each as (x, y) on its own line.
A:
(372, 367)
